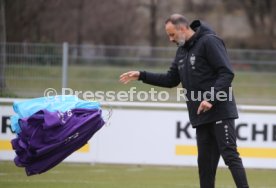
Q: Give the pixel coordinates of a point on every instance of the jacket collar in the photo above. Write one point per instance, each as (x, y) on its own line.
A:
(189, 43)
(200, 29)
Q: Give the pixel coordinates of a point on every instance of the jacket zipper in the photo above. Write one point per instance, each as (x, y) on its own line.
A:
(187, 71)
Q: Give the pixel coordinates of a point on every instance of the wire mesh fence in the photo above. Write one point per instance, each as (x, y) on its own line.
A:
(28, 69)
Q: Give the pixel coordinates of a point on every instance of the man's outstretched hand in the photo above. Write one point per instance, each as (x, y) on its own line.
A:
(129, 76)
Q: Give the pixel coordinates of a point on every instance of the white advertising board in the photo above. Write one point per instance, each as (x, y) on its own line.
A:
(161, 137)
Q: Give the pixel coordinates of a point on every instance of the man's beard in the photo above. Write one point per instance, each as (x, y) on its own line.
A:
(181, 41)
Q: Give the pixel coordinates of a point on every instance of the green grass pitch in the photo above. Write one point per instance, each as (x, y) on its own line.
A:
(72, 175)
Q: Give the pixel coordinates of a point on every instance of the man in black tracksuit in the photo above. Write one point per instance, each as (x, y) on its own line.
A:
(202, 66)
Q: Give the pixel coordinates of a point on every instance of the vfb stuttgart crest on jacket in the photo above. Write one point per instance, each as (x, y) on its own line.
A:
(192, 61)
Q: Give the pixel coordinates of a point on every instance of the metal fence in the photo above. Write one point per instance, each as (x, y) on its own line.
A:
(28, 69)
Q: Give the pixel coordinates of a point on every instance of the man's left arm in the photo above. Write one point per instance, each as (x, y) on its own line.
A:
(217, 56)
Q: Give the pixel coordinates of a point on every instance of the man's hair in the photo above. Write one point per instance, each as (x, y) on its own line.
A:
(178, 19)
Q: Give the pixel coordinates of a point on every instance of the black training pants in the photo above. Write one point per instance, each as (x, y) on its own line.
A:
(214, 140)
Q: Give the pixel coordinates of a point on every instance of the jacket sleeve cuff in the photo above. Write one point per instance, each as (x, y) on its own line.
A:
(142, 75)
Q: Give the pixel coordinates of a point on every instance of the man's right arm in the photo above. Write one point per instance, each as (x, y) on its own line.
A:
(169, 79)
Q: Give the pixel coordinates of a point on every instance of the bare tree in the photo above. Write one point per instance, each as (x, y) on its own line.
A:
(119, 22)
(201, 7)
(2, 46)
(110, 22)
(261, 17)
(153, 7)
(25, 16)
(79, 24)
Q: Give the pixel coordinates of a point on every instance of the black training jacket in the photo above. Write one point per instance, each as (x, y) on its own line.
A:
(202, 63)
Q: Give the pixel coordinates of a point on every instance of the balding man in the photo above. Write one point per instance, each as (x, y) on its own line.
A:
(202, 66)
